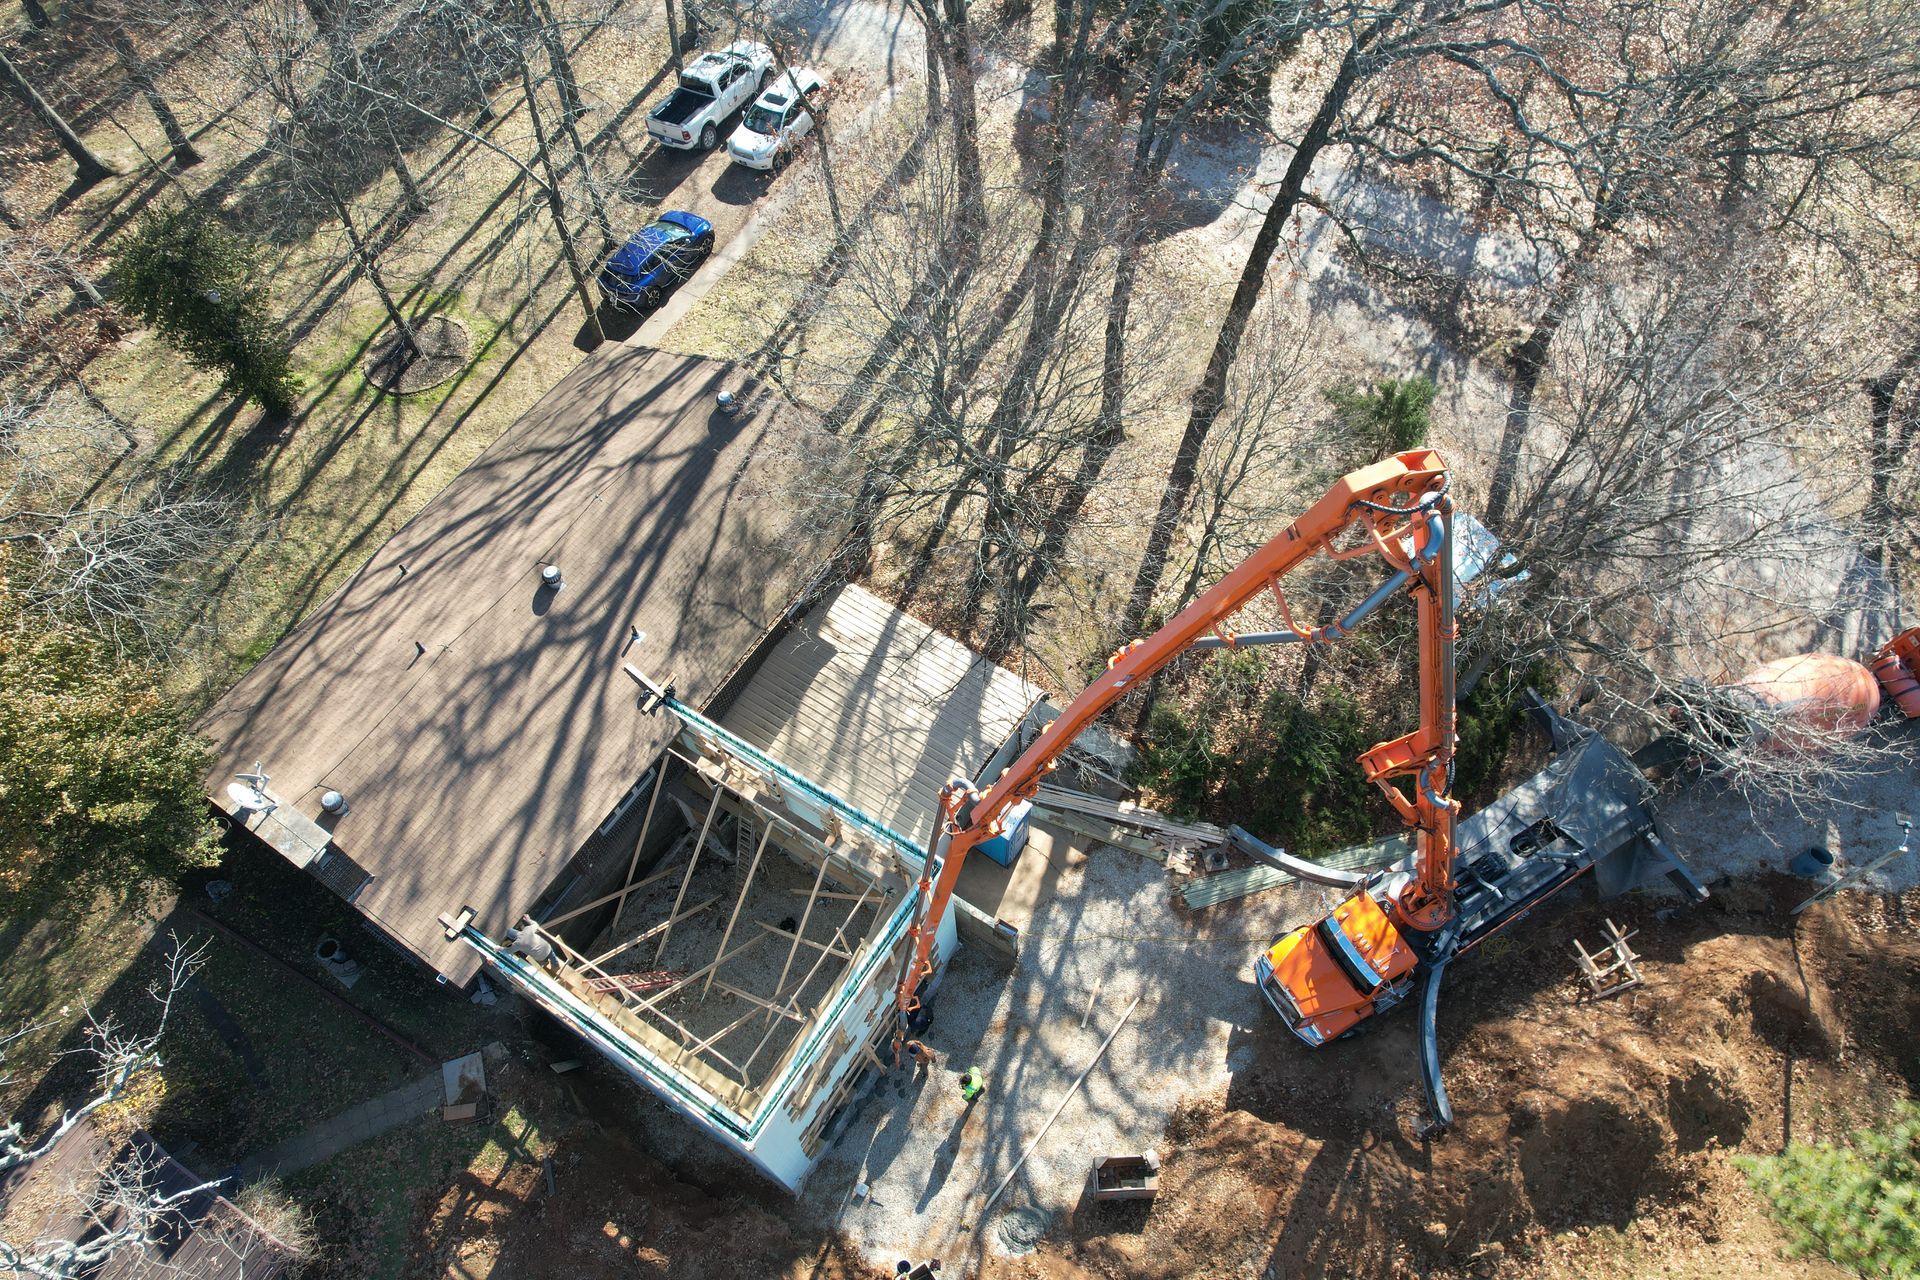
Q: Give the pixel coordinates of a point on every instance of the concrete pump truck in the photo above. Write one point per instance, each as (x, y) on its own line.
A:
(1395, 933)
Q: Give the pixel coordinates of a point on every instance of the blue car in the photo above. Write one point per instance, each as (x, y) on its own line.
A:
(655, 260)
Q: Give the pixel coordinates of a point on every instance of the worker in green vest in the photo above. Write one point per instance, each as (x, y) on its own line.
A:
(972, 1084)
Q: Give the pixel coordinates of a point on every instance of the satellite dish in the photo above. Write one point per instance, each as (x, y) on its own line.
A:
(246, 798)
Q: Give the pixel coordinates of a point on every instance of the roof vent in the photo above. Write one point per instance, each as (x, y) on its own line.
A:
(550, 577)
(728, 405)
(334, 803)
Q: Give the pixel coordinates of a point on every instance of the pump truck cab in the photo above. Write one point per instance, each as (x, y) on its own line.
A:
(1325, 978)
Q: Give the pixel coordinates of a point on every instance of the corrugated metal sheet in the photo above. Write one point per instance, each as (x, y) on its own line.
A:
(879, 708)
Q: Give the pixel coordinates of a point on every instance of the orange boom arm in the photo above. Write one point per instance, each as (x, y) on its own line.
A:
(1398, 509)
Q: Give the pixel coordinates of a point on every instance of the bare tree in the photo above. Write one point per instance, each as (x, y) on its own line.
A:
(120, 1058)
(1588, 122)
(1197, 58)
(89, 168)
(1587, 127)
(476, 44)
(947, 449)
(123, 557)
(123, 1206)
(33, 274)
(1367, 39)
(1273, 450)
(122, 26)
(320, 121)
(1675, 506)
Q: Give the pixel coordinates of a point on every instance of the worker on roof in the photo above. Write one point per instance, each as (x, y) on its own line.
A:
(972, 1084)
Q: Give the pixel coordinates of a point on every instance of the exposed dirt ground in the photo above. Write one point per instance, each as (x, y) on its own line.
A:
(1588, 1136)
(1591, 1137)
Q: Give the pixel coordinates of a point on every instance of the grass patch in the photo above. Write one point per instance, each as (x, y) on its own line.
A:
(51, 972)
(369, 1198)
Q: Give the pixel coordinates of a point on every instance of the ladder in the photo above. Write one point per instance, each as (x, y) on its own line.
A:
(615, 983)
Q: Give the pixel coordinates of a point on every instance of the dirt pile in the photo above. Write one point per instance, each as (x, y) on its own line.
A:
(1587, 1134)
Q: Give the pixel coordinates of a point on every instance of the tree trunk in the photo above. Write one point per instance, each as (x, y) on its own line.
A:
(1890, 436)
(673, 38)
(826, 171)
(371, 267)
(1523, 376)
(89, 168)
(344, 49)
(472, 59)
(84, 290)
(557, 208)
(571, 109)
(1109, 432)
(415, 198)
(1036, 277)
(782, 68)
(957, 45)
(1208, 396)
(37, 13)
(185, 156)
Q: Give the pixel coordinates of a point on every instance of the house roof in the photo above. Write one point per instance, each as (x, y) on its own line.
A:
(477, 722)
(878, 708)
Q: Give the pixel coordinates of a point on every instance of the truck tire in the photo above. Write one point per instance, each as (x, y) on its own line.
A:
(708, 136)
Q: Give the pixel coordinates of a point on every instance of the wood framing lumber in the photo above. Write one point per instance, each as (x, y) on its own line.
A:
(762, 1002)
(692, 862)
(829, 948)
(620, 893)
(1126, 813)
(1103, 831)
(801, 931)
(646, 825)
(739, 902)
(811, 971)
(651, 1001)
(721, 1034)
(655, 931)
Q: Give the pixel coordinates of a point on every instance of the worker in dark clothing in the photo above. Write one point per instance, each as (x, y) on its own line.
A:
(972, 1084)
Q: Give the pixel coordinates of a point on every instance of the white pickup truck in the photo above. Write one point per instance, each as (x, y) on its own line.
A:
(711, 88)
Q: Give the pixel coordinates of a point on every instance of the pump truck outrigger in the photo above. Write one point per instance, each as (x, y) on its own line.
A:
(1400, 927)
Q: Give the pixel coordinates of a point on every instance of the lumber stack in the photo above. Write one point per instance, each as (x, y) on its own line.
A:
(1126, 825)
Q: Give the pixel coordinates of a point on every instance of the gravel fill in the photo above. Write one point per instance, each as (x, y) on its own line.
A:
(1108, 934)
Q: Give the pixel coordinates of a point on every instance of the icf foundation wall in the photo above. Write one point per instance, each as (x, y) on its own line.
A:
(783, 1138)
